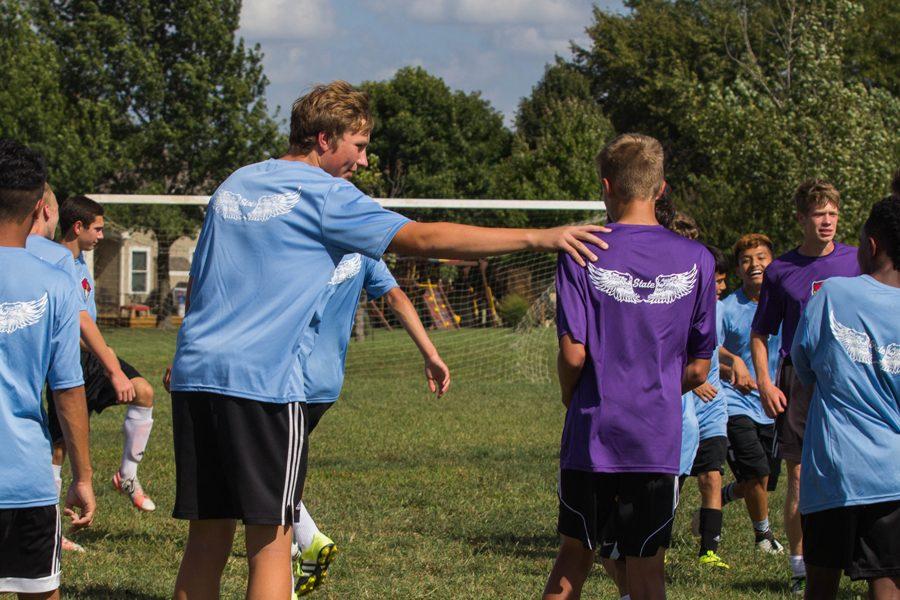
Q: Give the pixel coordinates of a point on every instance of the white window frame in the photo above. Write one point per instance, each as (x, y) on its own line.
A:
(131, 271)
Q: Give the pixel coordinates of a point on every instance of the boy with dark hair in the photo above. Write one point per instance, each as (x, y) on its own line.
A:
(651, 295)
(847, 348)
(38, 342)
(788, 284)
(751, 433)
(81, 223)
(273, 234)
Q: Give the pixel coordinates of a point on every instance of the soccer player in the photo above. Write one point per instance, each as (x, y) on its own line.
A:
(751, 433)
(40, 243)
(324, 377)
(38, 341)
(788, 284)
(636, 331)
(81, 222)
(273, 233)
(847, 348)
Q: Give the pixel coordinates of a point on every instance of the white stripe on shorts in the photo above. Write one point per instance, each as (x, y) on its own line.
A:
(298, 454)
(290, 456)
(55, 560)
(661, 527)
(587, 536)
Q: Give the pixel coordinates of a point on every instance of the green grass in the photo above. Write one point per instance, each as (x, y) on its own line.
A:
(426, 499)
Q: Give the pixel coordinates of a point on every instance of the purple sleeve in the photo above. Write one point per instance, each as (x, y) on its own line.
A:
(770, 310)
(702, 338)
(571, 299)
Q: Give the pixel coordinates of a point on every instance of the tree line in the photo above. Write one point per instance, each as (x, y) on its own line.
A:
(748, 96)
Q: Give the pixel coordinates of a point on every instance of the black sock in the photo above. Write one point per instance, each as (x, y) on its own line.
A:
(710, 529)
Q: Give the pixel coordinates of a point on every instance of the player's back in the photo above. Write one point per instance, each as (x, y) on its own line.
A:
(38, 341)
(644, 307)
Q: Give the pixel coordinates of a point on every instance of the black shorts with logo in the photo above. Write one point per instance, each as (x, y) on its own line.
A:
(752, 450)
(634, 509)
(237, 458)
(710, 456)
(29, 549)
(863, 541)
(98, 389)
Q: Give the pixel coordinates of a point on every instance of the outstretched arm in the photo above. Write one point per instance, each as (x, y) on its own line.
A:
(436, 372)
(452, 240)
(96, 345)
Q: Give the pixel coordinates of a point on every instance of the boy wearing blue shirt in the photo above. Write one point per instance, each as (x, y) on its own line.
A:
(324, 377)
(273, 233)
(38, 342)
(751, 433)
(847, 345)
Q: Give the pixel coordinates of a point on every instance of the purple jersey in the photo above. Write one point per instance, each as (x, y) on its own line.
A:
(641, 310)
(788, 284)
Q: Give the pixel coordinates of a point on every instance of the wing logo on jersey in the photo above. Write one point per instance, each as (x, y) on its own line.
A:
(349, 266)
(19, 315)
(232, 206)
(860, 347)
(622, 286)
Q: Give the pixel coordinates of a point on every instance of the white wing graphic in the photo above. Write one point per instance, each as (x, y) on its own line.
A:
(347, 268)
(889, 358)
(857, 344)
(614, 283)
(228, 205)
(670, 288)
(18, 315)
(272, 206)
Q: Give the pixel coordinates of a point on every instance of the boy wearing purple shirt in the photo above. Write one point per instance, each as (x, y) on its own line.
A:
(637, 329)
(788, 284)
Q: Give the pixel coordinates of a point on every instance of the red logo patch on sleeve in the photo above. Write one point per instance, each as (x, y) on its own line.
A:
(816, 286)
(86, 286)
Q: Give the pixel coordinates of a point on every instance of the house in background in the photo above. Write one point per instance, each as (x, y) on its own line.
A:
(125, 264)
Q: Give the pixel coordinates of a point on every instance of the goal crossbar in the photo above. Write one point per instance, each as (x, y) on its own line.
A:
(593, 205)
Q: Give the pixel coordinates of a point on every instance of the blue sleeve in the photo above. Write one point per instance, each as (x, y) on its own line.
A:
(353, 222)
(379, 280)
(720, 323)
(806, 339)
(67, 264)
(702, 336)
(65, 353)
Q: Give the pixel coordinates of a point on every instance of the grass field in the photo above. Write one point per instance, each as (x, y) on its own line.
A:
(426, 499)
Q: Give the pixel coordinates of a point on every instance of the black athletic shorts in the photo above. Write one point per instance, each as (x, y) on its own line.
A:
(710, 456)
(316, 411)
(752, 450)
(97, 387)
(29, 549)
(238, 459)
(634, 509)
(862, 540)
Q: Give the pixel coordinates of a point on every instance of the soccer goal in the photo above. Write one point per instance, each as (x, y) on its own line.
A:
(490, 318)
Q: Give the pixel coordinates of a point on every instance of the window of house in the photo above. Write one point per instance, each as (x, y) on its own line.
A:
(139, 276)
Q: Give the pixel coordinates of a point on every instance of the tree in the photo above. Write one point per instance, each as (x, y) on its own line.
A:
(186, 99)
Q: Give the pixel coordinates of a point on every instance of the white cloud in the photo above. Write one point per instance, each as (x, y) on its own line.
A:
(530, 40)
(487, 12)
(286, 19)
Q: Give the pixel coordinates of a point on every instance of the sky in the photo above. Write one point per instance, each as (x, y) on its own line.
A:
(497, 47)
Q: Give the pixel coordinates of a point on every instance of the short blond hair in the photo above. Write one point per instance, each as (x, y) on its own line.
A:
(815, 193)
(332, 108)
(633, 165)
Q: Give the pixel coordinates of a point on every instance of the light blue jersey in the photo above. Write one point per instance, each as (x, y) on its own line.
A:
(58, 256)
(86, 283)
(738, 315)
(712, 416)
(690, 435)
(38, 342)
(324, 371)
(273, 234)
(847, 345)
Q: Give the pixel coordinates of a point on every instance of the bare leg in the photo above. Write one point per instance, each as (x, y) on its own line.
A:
(269, 557)
(710, 484)
(572, 566)
(646, 577)
(792, 509)
(616, 570)
(59, 453)
(884, 588)
(143, 392)
(208, 546)
(756, 498)
(822, 583)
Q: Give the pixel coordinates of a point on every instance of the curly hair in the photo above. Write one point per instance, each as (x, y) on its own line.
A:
(23, 174)
(883, 224)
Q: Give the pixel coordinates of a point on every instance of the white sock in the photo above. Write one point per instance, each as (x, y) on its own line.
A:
(798, 568)
(136, 428)
(304, 528)
(57, 478)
